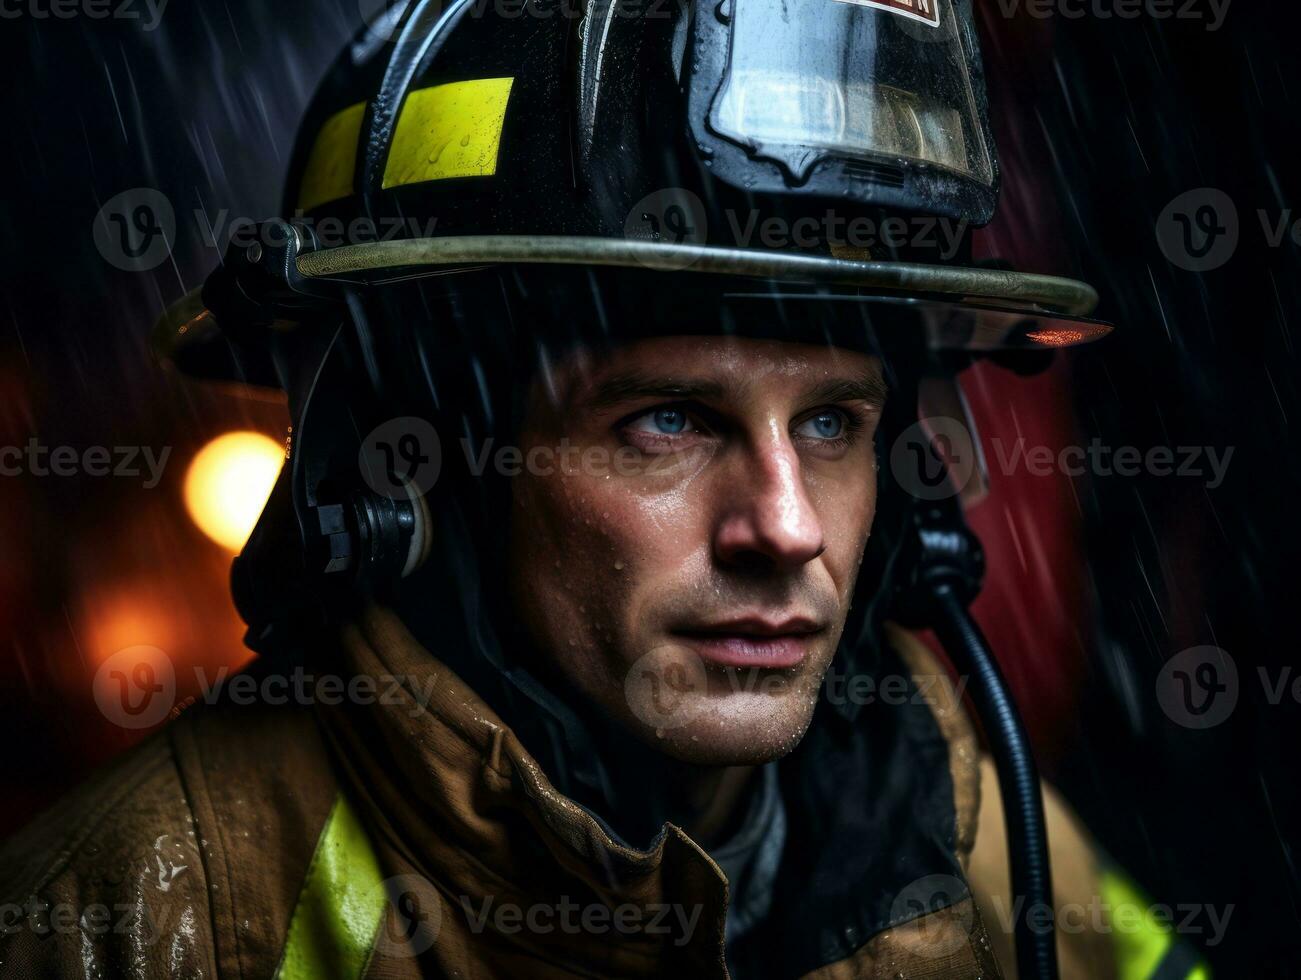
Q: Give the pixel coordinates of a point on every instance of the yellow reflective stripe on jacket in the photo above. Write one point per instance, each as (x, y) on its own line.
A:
(338, 914)
(1142, 943)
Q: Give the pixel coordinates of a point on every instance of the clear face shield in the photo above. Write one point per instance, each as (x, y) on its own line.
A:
(879, 100)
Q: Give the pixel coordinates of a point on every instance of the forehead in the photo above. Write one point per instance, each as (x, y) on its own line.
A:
(728, 365)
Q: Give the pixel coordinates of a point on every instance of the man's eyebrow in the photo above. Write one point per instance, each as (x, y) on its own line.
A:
(629, 385)
(869, 388)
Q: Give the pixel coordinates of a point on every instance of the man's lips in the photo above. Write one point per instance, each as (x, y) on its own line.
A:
(753, 641)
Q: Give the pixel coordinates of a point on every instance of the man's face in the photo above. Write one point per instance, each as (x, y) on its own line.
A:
(687, 530)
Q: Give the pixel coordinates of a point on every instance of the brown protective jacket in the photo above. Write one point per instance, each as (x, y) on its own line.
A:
(293, 841)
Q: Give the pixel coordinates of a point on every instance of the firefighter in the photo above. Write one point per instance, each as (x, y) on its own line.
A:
(594, 326)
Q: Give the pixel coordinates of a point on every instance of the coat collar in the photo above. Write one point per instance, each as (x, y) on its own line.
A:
(460, 801)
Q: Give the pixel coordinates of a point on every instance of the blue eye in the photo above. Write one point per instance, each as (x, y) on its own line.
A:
(824, 425)
(664, 422)
(669, 421)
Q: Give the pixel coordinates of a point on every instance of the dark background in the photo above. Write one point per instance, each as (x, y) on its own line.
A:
(1102, 123)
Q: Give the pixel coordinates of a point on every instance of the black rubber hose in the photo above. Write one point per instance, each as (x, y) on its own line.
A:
(1018, 779)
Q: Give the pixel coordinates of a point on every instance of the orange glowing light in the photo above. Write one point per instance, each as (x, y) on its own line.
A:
(228, 484)
(1061, 336)
(122, 622)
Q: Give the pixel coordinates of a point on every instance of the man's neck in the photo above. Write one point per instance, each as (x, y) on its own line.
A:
(716, 800)
(649, 789)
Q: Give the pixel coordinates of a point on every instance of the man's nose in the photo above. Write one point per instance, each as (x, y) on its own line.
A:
(767, 520)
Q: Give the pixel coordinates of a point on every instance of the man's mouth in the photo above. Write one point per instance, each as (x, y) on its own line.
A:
(754, 641)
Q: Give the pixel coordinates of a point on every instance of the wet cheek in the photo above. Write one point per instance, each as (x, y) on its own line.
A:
(846, 516)
(580, 559)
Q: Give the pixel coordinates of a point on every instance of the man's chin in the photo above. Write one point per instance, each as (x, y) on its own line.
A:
(740, 730)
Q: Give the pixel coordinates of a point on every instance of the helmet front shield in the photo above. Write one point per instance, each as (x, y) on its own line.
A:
(878, 101)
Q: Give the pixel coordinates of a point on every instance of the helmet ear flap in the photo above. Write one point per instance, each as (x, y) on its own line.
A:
(327, 540)
(363, 546)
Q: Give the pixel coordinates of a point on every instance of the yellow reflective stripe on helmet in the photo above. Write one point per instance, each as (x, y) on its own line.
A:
(338, 914)
(1142, 943)
(332, 164)
(451, 130)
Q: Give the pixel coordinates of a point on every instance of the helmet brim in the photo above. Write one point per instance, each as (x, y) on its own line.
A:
(959, 308)
(387, 261)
